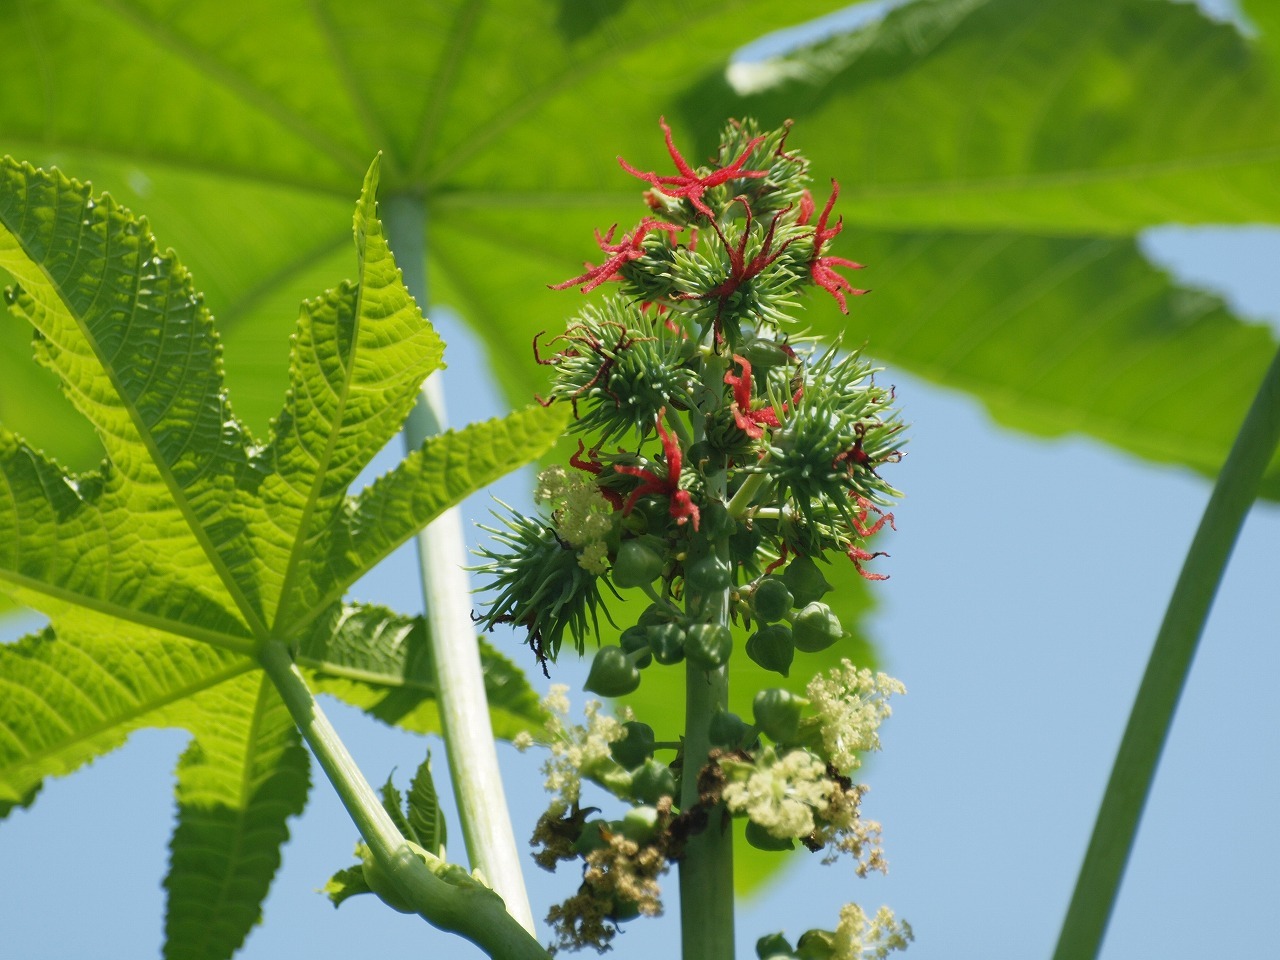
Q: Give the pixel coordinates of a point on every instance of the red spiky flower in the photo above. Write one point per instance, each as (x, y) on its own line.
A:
(821, 268)
(682, 506)
(687, 184)
(629, 248)
(752, 422)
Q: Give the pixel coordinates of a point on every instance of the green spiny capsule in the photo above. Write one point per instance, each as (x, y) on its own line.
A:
(612, 673)
(777, 713)
(762, 839)
(805, 581)
(653, 781)
(772, 648)
(771, 600)
(815, 628)
(637, 565)
(708, 645)
(666, 640)
(636, 747)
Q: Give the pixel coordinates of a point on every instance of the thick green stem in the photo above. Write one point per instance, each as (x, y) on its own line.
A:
(1153, 709)
(446, 589)
(706, 872)
(445, 896)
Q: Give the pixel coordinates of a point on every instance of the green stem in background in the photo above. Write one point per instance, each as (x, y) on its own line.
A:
(1152, 715)
(446, 590)
(460, 904)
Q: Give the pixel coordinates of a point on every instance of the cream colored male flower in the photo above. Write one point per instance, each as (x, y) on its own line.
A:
(856, 938)
(850, 704)
(581, 515)
(779, 794)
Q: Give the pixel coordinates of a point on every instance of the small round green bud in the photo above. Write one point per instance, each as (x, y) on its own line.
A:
(636, 747)
(666, 640)
(655, 613)
(716, 522)
(638, 824)
(708, 575)
(762, 839)
(612, 673)
(653, 781)
(729, 730)
(633, 639)
(763, 354)
(777, 713)
(815, 628)
(637, 565)
(773, 946)
(591, 837)
(771, 600)
(771, 647)
(805, 581)
(708, 645)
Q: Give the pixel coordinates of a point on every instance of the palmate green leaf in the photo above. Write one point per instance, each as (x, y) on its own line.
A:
(381, 662)
(163, 571)
(242, 776)
(213, 124)
(994, 161)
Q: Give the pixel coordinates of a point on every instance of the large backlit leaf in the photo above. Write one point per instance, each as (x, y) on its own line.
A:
(164, 571)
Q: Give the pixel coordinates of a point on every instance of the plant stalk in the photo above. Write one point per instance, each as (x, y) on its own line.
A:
(706, 872)
(446, 591)
(1166, 674)
(444, 895)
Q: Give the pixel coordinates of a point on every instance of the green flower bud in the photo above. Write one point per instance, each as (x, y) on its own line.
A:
(638, 824)
(636, 747)
(637, 565)
(772, 648)
(817, 945)
(777, 713)
(633, 639)
(655, 613)
(805, 581)
(729, 730)
(708, 575)
(708, 644)
(612, 673)
(591, 838)
(666, 640)
(763, 354)
(815, 628)
(771, 600)
(716, 522)
(773, 946)
(653, 781)
(762, 839)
